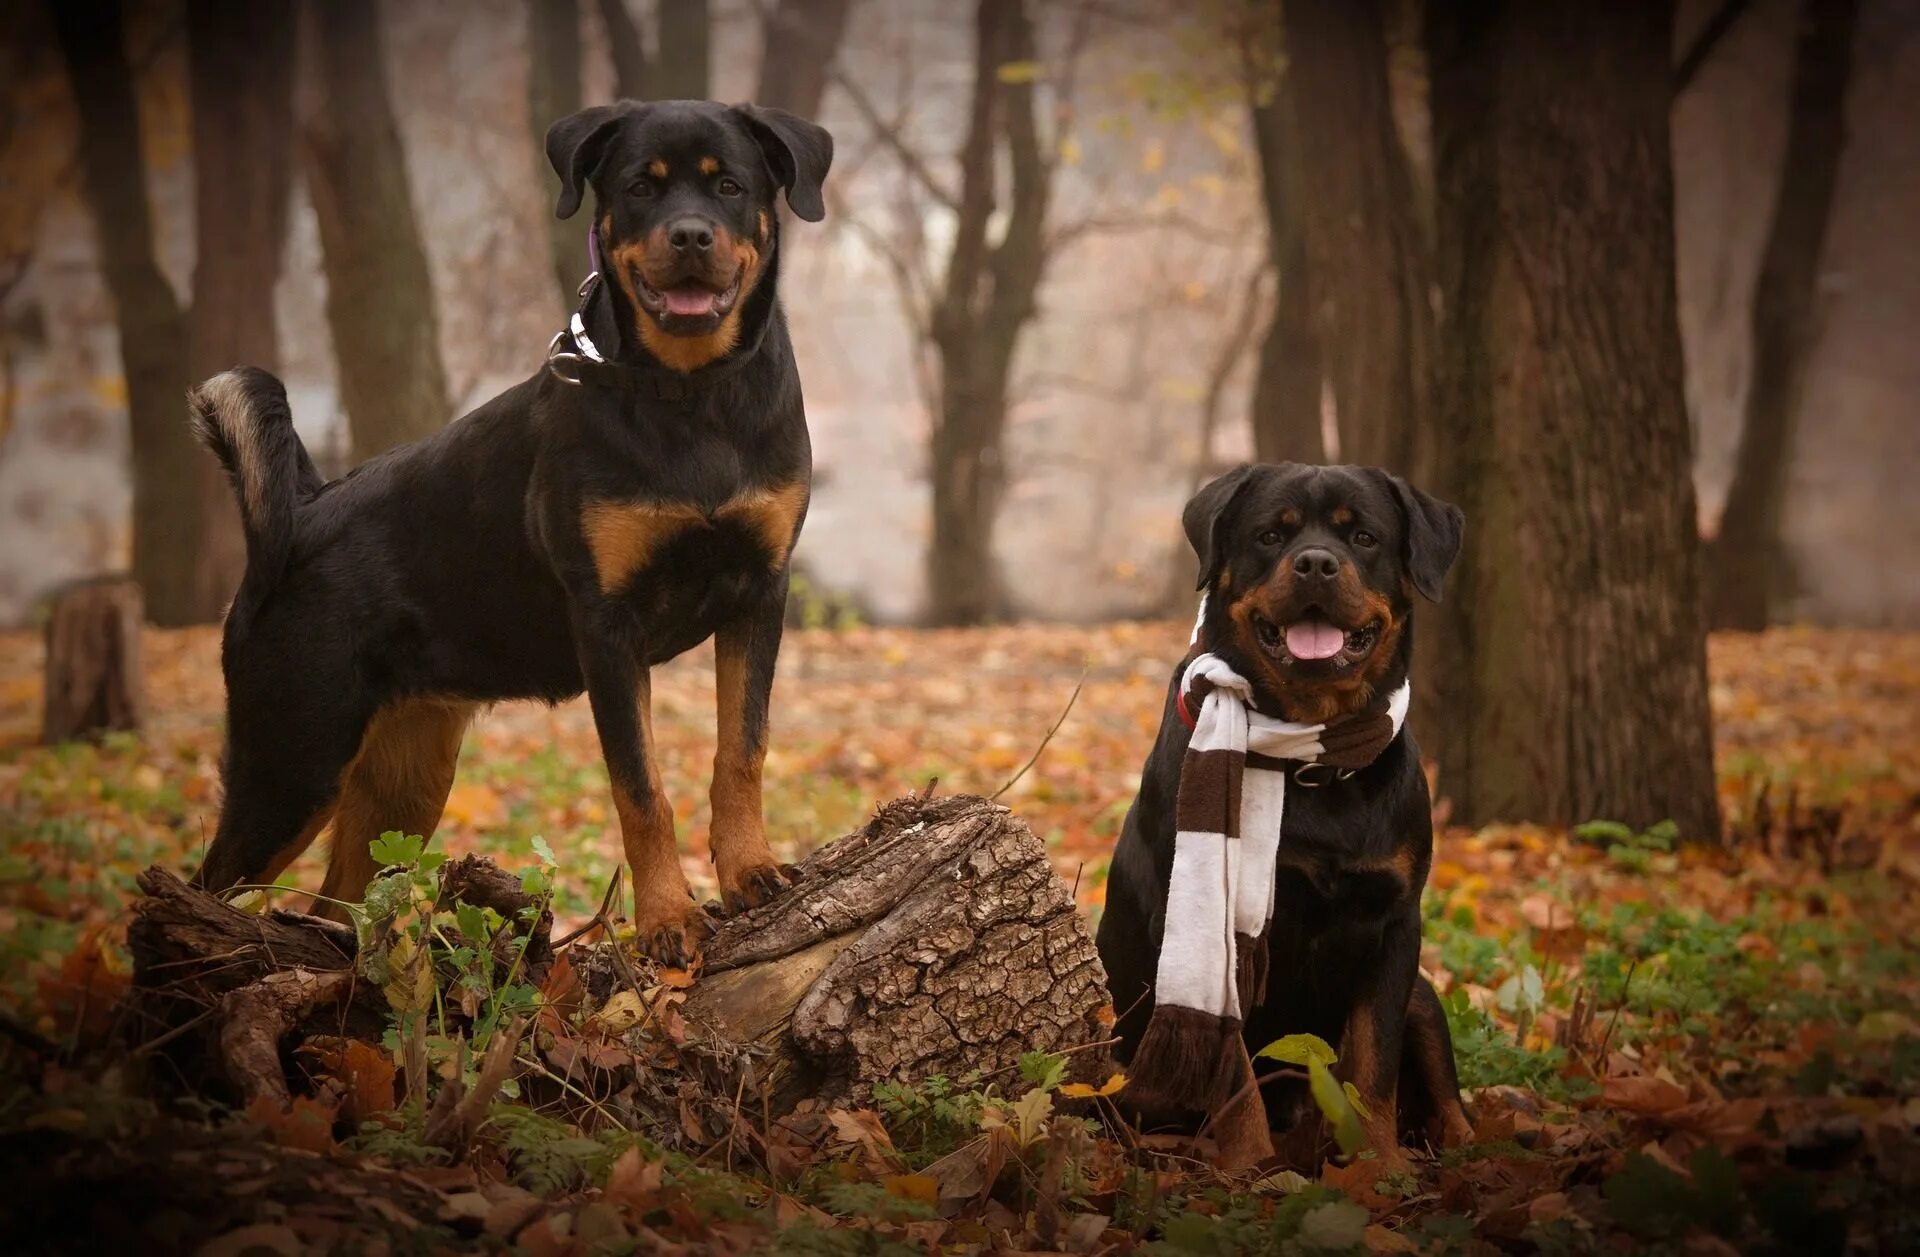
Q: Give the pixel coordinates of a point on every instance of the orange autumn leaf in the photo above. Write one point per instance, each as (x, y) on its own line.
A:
(921, 1187)
(306, 1124)
(1085, 1091)
(366, 1074)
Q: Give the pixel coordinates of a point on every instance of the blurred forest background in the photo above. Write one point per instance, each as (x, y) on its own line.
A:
(355, 194)
(1636, 289)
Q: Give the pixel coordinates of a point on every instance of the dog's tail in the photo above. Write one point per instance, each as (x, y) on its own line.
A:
(243, 417)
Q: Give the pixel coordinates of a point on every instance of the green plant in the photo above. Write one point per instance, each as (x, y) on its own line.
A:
(1487, 1055)
(1649, 1199)
(1625, 847)
(1313, 1220)
(813, 606)
(426, 957)
(547, 1155)
(1339, 1102)
(933, 1117)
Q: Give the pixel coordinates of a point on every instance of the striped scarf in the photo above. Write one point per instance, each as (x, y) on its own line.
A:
(1213, 953)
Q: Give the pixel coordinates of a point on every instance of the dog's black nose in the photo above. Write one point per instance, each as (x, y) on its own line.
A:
(1316, 562)
(690, 234)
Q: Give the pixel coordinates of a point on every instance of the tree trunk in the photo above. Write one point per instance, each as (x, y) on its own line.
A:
(242, 87)
(379, 294)
(553, 92)
(1743, 567)
(94, 680)
(1367, 269)
(800, 40)
(1286, 388)
(963, 582)
(627, 50)
(937, 939)
(171, 502)
(682, 61)
(1575, 683)
(986, 301)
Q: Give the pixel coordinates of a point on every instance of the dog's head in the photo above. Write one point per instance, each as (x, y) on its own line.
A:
(686, 197)
(1311, 573)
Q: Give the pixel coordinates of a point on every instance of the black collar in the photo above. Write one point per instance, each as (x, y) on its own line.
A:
(574, 356)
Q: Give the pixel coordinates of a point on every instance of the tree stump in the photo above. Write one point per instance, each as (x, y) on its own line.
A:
(935, 940)
(94, 682)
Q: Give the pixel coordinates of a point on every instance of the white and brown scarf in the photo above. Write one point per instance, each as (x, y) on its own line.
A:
(1213, 953)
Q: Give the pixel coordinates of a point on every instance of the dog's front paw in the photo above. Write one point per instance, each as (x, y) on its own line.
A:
(756, 886)
(672, 938)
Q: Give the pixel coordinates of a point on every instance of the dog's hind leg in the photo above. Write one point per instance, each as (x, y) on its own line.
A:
(282, 778)
(398, 781)
(1430, 1081)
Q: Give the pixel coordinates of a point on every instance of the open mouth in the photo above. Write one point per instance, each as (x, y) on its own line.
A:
(1314, 639)
(690, 300)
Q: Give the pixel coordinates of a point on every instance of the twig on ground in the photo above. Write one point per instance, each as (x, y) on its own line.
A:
(1035, 757)
(599, 918)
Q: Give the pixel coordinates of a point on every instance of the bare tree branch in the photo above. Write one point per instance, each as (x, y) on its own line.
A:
(889, 135)
(1723, 20)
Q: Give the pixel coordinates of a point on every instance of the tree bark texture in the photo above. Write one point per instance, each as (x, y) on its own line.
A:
(94, 679)
(986, 301)
(379, 295)
(242, 87)
(1744, 561)
(1574, 685)
(553, 92)
(1286, 387)
(682, 65)
(937, 939)
(171, 522)
(1368, 274)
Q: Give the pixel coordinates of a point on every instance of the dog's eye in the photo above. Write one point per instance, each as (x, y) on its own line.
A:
(1270, 538)
(642, 188)
(1365, 539)
(729, 187)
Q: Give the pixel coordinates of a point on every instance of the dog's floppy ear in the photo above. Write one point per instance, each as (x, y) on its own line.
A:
(798, 153)
(1203, 514)
(575, 145)
(1433, 528)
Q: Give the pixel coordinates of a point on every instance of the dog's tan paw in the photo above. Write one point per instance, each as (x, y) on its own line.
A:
(674, 941)
(757, 886)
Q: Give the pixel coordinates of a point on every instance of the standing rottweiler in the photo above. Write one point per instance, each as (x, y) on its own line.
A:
(1309, 576)
(638, 494)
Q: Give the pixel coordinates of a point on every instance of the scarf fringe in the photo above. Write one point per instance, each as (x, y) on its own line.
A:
(1250, 969)
(1185, 1060)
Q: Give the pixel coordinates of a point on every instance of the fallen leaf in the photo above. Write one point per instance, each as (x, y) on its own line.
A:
(921, 1187)
(1643, 1094)
(306, 1124)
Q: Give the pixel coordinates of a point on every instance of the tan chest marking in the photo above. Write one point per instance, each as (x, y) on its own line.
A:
(623, 537)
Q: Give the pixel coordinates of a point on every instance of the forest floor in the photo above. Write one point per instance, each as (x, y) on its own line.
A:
(1702, 1051)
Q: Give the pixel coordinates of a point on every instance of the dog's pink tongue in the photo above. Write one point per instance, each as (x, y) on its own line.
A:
(688, 301)
(1314, 639)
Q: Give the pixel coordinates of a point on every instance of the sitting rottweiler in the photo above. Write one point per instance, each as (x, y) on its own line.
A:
(637, 495)
(1289, 708)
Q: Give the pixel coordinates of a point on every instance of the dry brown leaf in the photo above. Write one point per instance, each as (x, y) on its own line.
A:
(1643, 1094)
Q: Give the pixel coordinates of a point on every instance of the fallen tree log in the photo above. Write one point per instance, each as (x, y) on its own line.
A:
(934, 940)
